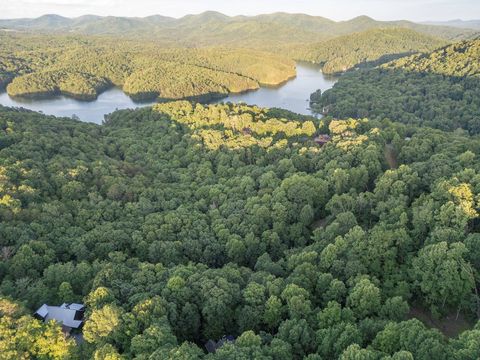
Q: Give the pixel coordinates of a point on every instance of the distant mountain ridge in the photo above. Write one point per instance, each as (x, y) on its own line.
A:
(465, 24)
(214, 28)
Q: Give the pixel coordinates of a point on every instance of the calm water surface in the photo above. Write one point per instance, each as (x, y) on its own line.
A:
(292, 96)
(88, 111)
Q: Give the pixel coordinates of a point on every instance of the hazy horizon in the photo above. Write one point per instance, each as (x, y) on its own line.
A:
(386, 10)
(238, 15)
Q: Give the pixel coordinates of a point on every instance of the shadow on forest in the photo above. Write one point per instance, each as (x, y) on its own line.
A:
(414, 98)
(450, 325)
(381, 60)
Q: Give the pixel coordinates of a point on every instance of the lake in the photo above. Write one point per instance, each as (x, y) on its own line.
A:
(88, 111)
(293, 95)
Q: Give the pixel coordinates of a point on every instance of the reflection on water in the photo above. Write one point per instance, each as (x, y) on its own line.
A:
(292, 96)
(89, 111)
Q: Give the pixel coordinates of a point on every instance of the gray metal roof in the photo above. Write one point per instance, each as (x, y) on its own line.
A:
(42, 311)
(73, 306)
(64, 314)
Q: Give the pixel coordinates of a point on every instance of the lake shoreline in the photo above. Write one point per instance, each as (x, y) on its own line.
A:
(291, 95)
(137, 98)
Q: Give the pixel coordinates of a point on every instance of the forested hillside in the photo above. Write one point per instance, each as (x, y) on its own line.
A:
(364, 49)
(458, 60)
(182, 223)
(440, 89)
(192, 57)
(354, 236)
(83, 67)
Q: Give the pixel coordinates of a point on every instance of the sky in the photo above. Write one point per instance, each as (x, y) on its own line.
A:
(415, 10)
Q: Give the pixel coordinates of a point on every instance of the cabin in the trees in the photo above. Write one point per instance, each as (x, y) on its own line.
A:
(213, 346)
(247, 131)
(322, 139)
(70, 316)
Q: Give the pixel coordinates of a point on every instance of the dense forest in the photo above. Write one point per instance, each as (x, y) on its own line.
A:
(184, 222)
(440, 89)
(355, 236)
(83, 67)
(364, 49)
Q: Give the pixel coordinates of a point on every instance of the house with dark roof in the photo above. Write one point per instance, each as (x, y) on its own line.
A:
(213, 346)
(322, 139)
(70, 316)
